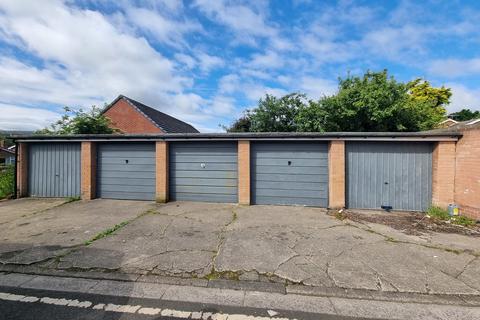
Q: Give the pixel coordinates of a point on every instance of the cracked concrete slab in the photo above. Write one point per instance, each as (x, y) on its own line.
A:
(173, 239)
(20, 208)
(38, 237)
(257, 244)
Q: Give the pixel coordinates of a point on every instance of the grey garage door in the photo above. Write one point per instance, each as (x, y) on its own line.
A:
(395, 174)
(54, 170)
(290, 173)
(203, 171)
(126, 171)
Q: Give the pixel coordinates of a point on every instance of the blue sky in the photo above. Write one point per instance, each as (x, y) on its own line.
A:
(206, 61)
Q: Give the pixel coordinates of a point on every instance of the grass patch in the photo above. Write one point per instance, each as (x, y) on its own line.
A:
(229, 275)
(442, 214)
(438, 213)
(72, 199)
(7, 181)
(340, 215)
(463, 221)
(150, 211)
(106, 233)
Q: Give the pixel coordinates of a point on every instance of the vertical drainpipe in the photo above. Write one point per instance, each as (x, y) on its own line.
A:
(15, 171)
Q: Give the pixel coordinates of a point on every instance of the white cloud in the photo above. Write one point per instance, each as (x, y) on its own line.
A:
(316, 88)
(186, 60)
(268, 60)
(209, 62)
(256, 91)
(87, 60)
(463, 97)
(246, 22)
(229, 83)
(397, 42)
(162, 28)
(452, 68)
(23, 118)
(324, 50)
(222, 105)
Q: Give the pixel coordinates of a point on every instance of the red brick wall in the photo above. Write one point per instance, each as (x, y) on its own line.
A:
(336, 174)
(467, 179)
(244, 172)
(128, 120)
(89, 170)
(443, 173)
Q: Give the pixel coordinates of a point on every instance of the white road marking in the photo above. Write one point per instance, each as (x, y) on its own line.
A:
(55, 301)
(99, 306)
(126, 308)
(30, 299)
(272, 313)
(150, 311)
(79, 304)
(175, 313)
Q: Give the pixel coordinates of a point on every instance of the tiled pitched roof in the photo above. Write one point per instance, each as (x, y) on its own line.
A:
(164, 121)
(7, 150)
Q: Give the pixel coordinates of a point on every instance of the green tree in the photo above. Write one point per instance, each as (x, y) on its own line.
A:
(464, 115)
(372, 102)
(272, 115)
(277, 114)
(80, 122)
(242, 124)
(427, 105)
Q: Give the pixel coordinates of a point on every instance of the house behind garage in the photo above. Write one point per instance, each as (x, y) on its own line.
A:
(407, 171)
(130, 116)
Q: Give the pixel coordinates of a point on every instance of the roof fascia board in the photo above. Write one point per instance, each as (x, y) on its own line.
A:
(123, 139)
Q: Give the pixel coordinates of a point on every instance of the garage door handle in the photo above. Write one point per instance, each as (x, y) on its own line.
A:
(386, 182)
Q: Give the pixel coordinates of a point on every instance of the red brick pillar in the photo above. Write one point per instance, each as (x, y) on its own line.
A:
(443, 184)
(89, 170)
(161, 171)
(244, 172)
(336, 174)
(22, 170)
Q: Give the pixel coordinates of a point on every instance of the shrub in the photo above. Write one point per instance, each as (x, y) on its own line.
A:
(7, 181)
(442, 214)
(439, 213)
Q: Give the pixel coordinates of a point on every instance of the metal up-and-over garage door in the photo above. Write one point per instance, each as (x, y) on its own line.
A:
(126, 171)
(289, 173)
(203, 171)
(395, 174)
(54, 170)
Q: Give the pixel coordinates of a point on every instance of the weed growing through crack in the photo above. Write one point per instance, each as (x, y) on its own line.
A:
(72, 199)
(107, 232)
(229, 275)
(442, 214)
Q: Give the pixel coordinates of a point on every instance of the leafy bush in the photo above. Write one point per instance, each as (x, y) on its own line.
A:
(7, 181)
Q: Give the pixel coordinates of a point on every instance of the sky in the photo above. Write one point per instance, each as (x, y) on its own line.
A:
(205, 61)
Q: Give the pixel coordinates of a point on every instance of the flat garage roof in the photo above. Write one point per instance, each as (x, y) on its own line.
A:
(356, 136)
